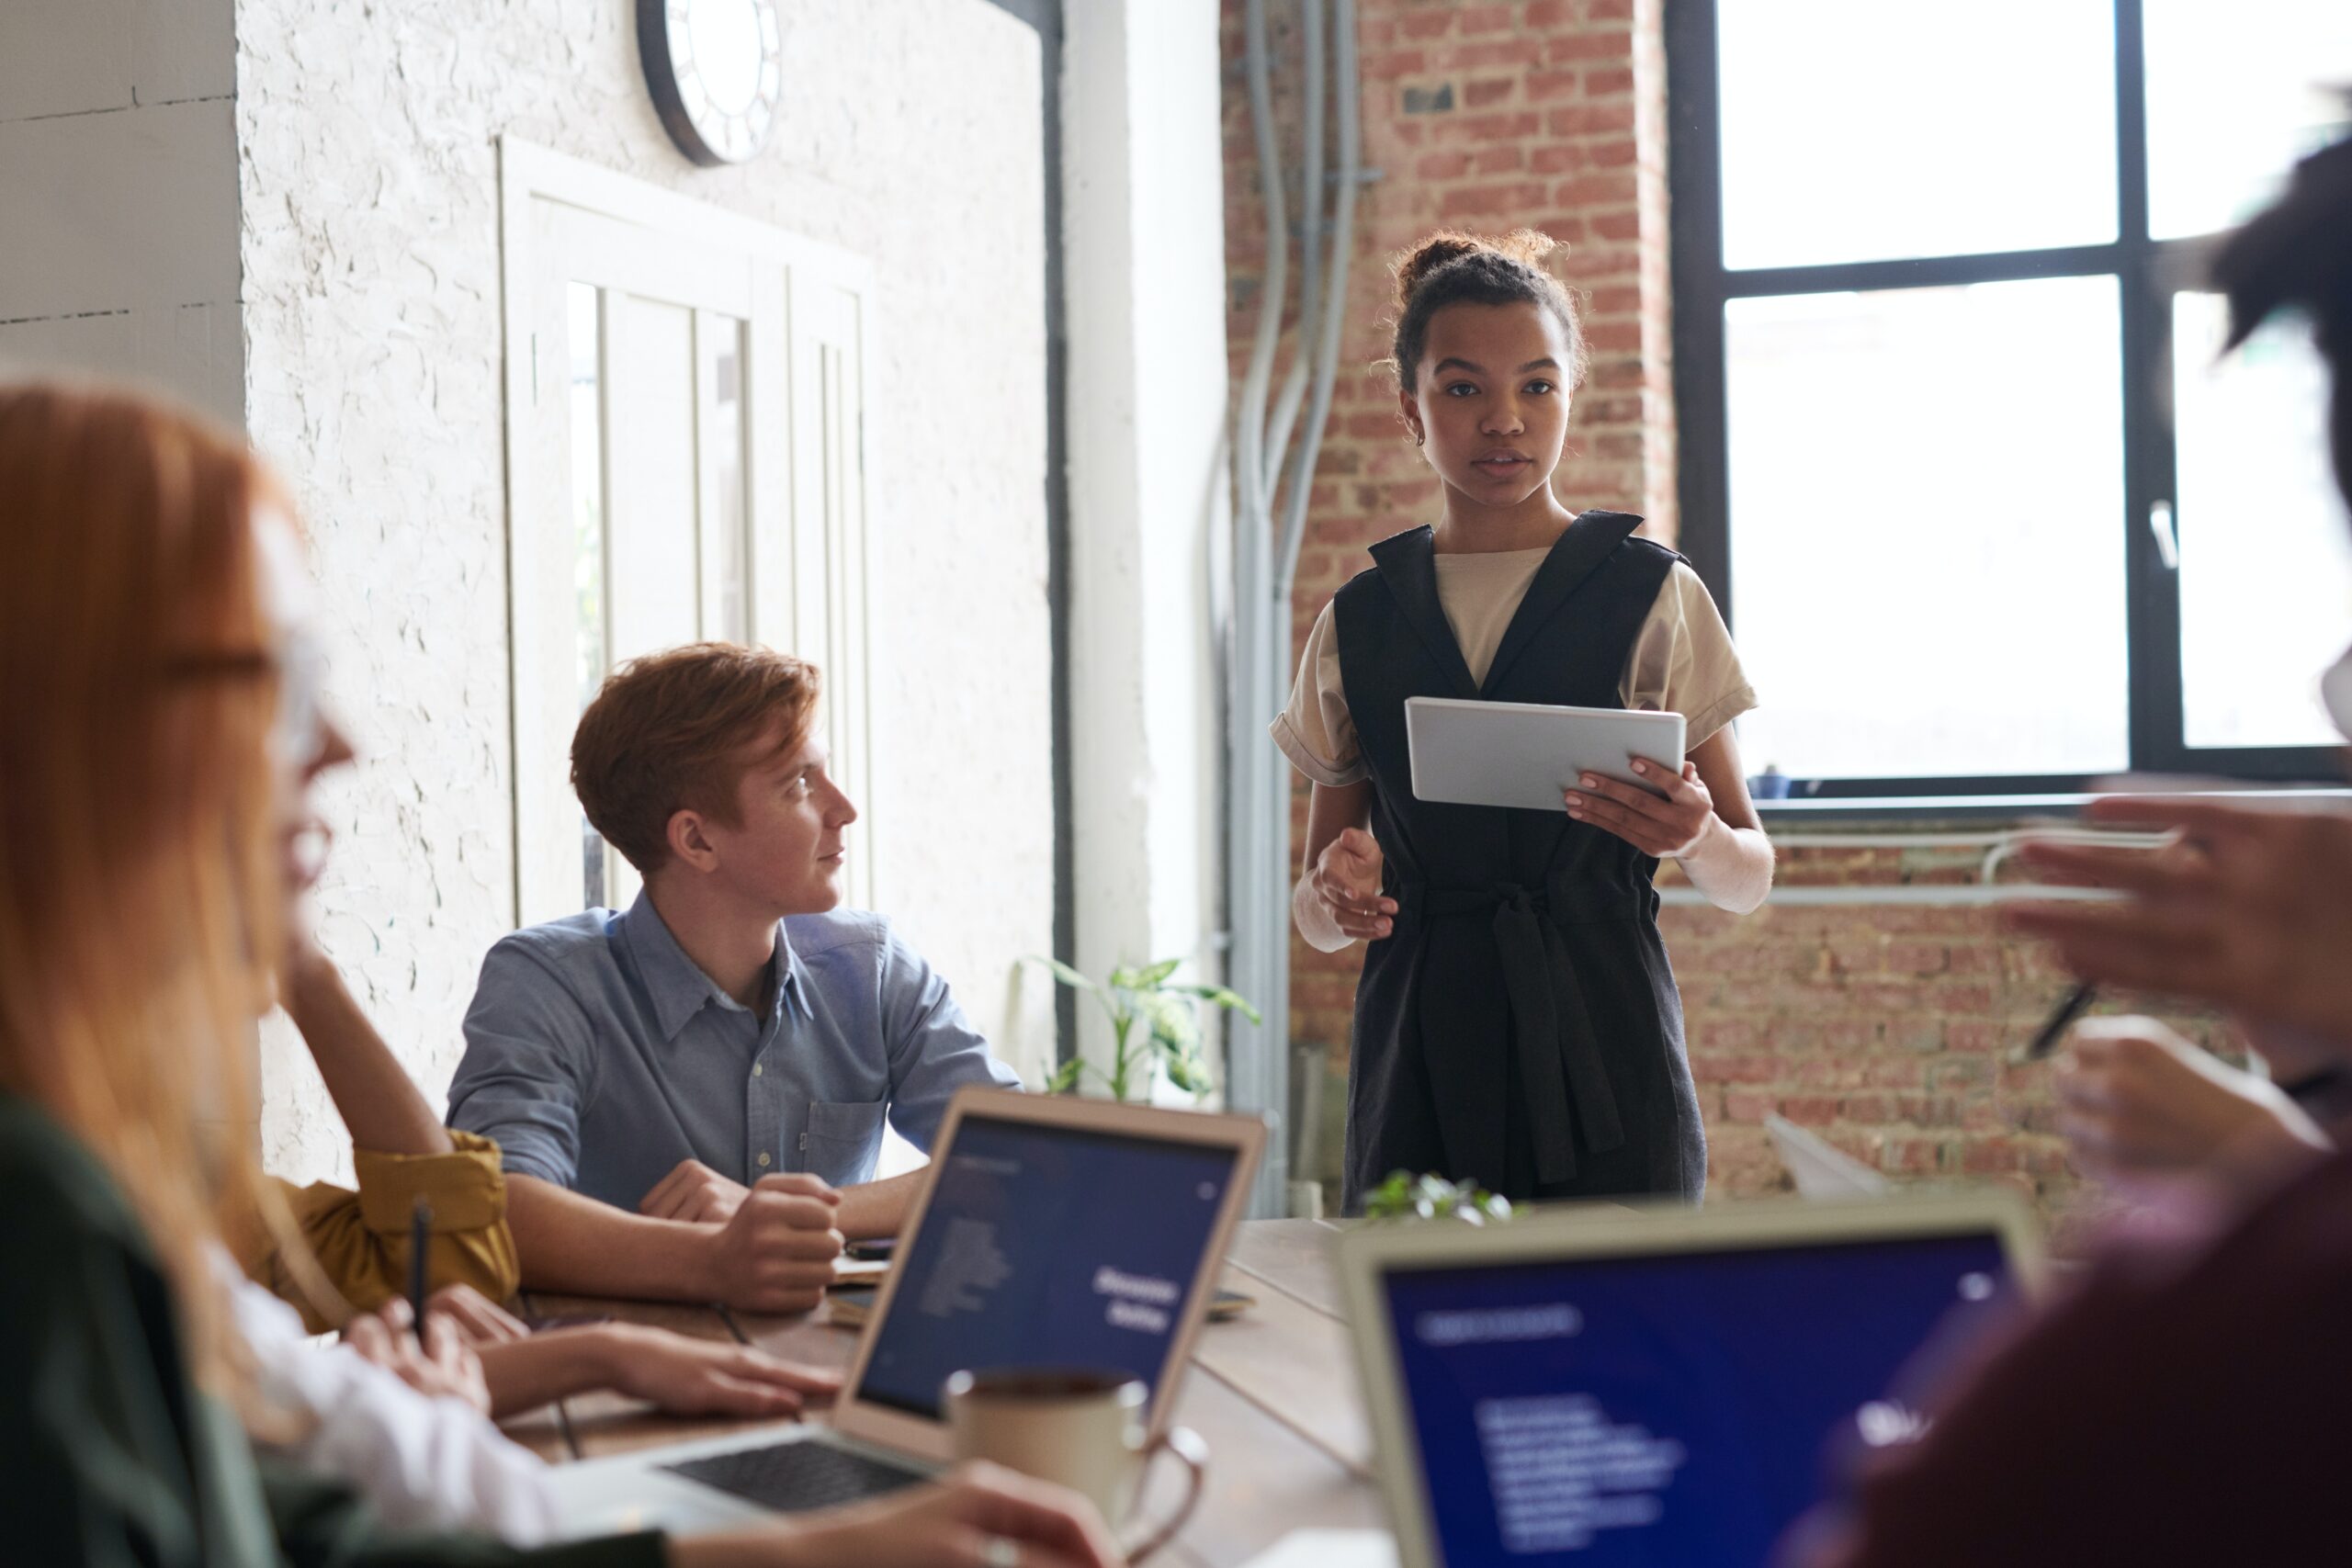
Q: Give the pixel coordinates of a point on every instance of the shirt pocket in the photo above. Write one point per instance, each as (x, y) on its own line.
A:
(843, 1142)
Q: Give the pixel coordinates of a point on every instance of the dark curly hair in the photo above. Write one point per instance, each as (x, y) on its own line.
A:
(1449, 267)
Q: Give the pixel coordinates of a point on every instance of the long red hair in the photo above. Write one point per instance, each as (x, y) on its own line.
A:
(140, 884)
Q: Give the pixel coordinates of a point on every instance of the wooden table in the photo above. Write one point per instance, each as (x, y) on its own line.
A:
(1273, 1392)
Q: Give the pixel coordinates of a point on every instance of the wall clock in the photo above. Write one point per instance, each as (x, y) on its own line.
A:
(716, 68)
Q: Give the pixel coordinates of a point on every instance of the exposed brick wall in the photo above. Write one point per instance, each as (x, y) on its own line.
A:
(1886, 1027)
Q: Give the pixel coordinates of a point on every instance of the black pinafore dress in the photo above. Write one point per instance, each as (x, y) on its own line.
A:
(1520, 1025)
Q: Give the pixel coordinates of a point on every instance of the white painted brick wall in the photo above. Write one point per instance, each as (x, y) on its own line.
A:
(369, 253)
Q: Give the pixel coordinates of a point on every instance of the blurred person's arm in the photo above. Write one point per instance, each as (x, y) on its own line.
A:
(2135, 1098)
(401, 1153)
(2249, 910)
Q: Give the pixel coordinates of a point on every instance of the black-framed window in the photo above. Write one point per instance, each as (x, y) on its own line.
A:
(1958, 459)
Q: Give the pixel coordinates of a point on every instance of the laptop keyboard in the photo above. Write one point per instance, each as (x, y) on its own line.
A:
(790, 1477)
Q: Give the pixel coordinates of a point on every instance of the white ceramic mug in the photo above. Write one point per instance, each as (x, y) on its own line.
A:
(1076, 1427)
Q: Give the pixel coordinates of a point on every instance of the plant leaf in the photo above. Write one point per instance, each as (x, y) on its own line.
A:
(1065, 1078)
(1064, 973)
(1189, 1073)
(1173, 1026)
(1217, 995)
(1152, 977)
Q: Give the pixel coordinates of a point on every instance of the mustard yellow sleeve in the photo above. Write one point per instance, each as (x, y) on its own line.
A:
(361, 1239)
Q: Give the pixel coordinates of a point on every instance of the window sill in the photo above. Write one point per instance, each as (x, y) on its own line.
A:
(1919, 810)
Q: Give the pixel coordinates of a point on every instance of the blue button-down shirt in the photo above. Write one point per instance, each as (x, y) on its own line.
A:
(600, 1056)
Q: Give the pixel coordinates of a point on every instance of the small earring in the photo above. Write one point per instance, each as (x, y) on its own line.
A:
(1420, 437)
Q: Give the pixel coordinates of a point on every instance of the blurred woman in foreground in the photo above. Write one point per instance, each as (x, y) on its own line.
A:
(160, 730)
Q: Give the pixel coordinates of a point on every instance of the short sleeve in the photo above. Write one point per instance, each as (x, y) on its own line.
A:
(361, 1239)
(528, 1072)
(1684, 660)
(1314, 730)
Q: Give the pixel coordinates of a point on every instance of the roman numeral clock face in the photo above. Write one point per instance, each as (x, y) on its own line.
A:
(716, 68)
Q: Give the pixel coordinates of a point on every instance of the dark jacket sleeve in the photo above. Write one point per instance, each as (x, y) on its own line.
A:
(322, 1524)
(109, 1457)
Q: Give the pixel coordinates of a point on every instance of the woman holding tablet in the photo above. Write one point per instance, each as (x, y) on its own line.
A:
(1516, 1023)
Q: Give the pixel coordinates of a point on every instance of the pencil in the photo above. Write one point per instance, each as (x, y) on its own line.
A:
(2077, 1002)
(420, 1236)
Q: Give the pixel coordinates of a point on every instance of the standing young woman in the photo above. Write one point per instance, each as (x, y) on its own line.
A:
(1516, 1023)
(159, 734)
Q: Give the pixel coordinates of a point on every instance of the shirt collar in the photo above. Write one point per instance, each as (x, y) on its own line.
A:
(676, 985)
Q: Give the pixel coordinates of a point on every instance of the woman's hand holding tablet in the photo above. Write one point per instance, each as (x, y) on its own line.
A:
(1666, 825)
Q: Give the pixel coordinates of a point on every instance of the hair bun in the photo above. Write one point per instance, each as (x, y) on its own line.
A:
(1434, 252)
(1529, 247)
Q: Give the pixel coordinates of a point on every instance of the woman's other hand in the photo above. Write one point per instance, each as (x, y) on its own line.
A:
(443, 1367)
(696, 1377)
(1345, 885)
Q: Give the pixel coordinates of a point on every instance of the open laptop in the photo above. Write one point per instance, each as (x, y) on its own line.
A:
(1048, 1232)
(1820, 1168)
(1655, 1386)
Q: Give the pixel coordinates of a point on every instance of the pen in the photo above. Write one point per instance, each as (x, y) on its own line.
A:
(420, 1235)
(2077, 1002)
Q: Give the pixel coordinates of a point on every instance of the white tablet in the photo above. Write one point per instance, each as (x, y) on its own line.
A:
(1525, 754)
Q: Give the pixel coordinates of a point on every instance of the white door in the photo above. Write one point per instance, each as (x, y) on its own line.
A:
(685, 462)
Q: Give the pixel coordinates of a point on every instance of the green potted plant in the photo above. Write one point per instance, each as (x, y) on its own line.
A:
(1155, 1022)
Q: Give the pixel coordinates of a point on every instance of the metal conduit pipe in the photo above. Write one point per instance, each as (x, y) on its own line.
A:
(1265, 550)
(1311, 260)
(1335, 301)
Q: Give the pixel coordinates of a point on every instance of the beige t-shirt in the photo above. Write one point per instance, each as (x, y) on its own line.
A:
(1682, 661)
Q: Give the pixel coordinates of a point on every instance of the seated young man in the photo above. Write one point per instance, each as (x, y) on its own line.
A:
(680, 1090)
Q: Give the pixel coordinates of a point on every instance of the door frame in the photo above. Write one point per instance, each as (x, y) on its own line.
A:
(823, 614)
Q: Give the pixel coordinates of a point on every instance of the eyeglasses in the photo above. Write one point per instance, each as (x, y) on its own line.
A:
(300, 666)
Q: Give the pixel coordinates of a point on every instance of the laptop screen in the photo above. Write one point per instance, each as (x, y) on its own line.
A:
(1666, 1408)
(1047, 1247)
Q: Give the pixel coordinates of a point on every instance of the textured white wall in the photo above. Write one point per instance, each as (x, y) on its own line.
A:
(370, 257)
(118, 171)
(1147, 477)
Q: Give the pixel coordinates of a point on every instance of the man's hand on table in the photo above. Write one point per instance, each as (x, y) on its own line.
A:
(694, 1193)
(775, 1252)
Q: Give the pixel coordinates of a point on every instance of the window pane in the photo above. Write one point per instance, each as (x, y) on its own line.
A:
(2235, 95)
(1859, 130)
(2266, 571)
(584, 330)
(1927, 515)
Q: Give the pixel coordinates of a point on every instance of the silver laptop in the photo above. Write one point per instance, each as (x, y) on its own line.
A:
(1820, 1168)
(1049, 1232)
(1655, 1387)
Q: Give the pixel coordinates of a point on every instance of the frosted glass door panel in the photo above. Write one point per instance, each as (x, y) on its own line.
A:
(724, 520)
(653, 575)
(685, 462)
(1859, 130)
(1927, 530)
